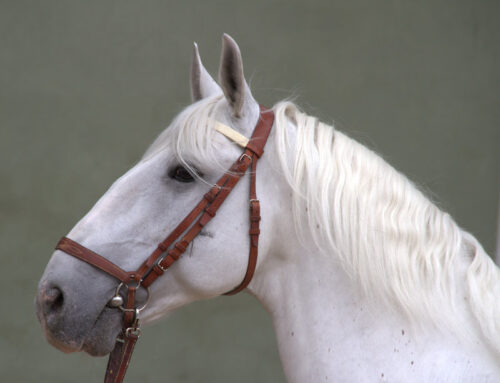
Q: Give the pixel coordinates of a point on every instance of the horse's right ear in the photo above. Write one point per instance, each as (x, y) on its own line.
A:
(202, 84)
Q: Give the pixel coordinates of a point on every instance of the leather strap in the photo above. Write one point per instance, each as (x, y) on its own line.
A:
(254, 233)
(261, 132)
(216, 196)
(155, 265)
(258, 141)
(119, 358)
(214, 199)
(76, 250)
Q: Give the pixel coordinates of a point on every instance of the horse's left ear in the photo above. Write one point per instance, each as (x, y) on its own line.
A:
(231, 77)
(202, 84)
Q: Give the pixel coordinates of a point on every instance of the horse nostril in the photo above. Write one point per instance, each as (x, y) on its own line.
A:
(52, 300)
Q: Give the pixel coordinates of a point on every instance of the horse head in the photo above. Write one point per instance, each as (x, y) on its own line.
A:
(148, 202)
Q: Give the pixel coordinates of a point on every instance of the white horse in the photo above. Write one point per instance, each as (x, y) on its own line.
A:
(365, 279)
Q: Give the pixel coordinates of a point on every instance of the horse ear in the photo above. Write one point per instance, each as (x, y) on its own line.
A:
(231, 76)
(202, 84)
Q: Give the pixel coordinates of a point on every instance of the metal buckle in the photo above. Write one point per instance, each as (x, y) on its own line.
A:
(244, 155)
(134, 331)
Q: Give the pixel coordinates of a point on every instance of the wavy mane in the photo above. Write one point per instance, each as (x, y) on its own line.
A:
(389, 237)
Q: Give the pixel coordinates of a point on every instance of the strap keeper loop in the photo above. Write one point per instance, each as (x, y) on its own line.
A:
(255, 149)
(210, 210)
(210, 196)
(174, 253)
(181, 246)
(205, 218)
(158, 269)
(162, 247)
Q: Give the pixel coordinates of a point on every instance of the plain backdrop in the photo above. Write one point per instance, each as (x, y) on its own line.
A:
(86, 86)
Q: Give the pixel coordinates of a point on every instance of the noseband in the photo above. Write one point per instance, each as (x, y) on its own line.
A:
(174, 245)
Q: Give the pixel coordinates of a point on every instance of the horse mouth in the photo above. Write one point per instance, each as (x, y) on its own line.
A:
(70, 335)
(62, 342)
(100, 339)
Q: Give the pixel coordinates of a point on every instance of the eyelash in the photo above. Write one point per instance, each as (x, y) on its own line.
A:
(181, 174)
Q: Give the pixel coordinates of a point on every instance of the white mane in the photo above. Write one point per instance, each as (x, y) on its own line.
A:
(387, 235)
(190, 135)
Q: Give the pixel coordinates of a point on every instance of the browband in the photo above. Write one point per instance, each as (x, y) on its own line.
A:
(232, 134)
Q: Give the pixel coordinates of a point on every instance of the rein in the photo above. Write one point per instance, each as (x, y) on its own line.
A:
(175, 244)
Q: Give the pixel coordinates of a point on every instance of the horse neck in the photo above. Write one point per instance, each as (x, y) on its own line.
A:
(328, 330)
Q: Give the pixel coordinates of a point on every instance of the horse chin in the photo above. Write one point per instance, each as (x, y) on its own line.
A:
(101, 338)
(99, 348)
(98, 341)
(66, 346)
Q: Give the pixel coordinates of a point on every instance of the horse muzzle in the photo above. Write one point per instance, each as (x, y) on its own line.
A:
(70, 326)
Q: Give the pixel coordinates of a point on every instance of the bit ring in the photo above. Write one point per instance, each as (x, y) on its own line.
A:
(138, 309)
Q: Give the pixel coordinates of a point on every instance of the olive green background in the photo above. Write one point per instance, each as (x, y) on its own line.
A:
(86, 86)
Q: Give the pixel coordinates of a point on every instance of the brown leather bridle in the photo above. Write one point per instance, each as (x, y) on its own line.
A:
(157, 263)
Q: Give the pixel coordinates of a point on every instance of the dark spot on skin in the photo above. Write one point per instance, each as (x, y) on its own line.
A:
(411, 362)
(402, 332)
(382, 375)
(292, 333)
(206, 233)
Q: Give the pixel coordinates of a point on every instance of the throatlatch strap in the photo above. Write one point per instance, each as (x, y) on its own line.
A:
(254, 232)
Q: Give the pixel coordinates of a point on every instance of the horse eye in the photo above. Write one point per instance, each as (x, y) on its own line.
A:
(180, 174)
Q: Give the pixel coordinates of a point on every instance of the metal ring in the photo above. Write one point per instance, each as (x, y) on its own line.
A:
(125, 284)
(139, 309)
